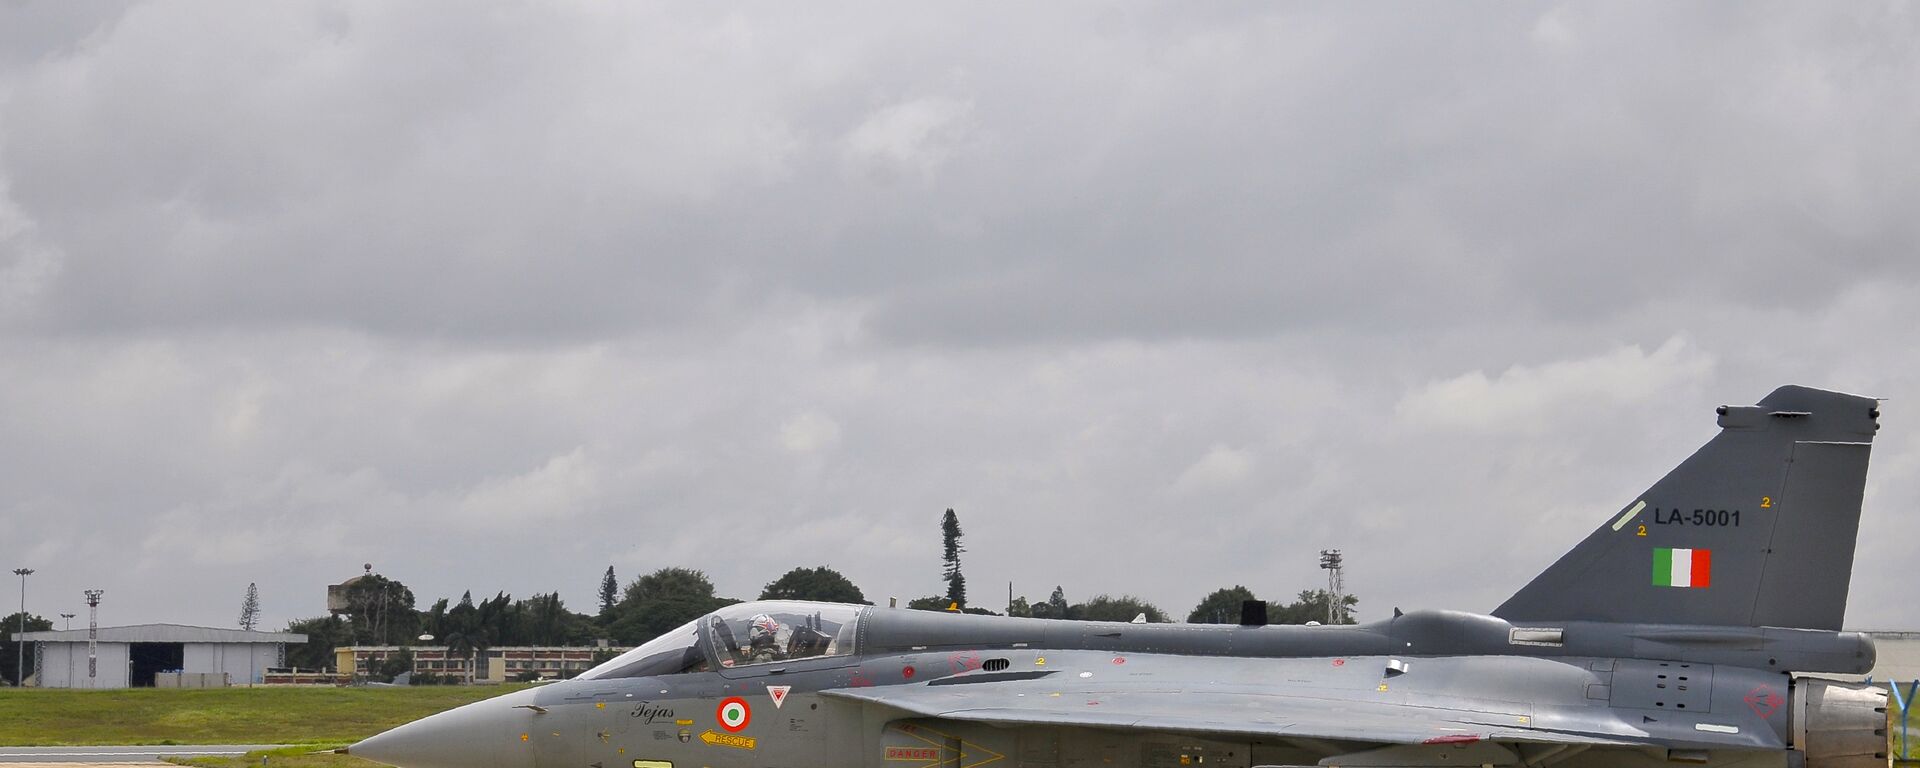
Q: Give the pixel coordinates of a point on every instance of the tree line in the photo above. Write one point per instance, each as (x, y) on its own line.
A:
(10, 650)
(656, 603)
(1222, 606)
(382, 611)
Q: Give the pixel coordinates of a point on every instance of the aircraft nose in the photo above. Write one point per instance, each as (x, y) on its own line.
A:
(484, 734)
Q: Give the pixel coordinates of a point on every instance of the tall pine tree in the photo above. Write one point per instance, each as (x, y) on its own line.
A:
(1057, 607)
(609, 595)
(250, 608)
(950, 553)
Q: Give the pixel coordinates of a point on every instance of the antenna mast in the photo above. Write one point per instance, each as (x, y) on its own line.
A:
(93, 634)
(1336, 604)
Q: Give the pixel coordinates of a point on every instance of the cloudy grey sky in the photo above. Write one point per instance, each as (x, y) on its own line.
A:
(1161, 298)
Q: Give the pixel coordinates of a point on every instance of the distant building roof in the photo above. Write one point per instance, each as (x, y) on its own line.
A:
(163, 633)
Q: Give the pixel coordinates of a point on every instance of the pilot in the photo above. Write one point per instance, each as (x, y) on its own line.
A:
(764, 639)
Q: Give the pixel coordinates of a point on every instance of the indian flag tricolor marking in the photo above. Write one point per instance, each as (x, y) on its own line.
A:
(1674, 567)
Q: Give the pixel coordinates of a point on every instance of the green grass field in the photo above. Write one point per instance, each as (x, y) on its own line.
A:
(311, 756)
(1910, 757)
(32, 717)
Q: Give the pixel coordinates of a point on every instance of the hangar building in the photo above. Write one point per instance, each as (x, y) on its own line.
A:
(138, 656)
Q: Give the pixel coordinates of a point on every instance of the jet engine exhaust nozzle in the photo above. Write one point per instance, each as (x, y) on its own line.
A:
(1840, 725)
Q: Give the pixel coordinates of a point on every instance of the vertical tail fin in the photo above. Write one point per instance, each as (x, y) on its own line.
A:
(1757, 528)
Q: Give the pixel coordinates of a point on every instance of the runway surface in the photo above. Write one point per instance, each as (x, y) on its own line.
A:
(70, 757)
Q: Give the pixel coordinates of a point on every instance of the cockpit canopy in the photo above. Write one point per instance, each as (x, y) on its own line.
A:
(669, 654)
(741, 635)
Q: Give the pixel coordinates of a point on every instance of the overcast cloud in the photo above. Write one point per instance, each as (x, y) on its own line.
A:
(1160, 298)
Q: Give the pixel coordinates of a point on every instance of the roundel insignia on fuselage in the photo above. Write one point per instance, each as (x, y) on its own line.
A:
(734, 714)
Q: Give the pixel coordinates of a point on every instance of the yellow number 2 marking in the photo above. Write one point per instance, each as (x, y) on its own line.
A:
(1766, 502)
(1642, 532)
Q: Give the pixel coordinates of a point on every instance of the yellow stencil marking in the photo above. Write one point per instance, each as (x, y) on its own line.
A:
(729, 740)
(1766, 502)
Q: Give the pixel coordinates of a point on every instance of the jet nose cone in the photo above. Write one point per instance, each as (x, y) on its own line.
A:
(484, 734)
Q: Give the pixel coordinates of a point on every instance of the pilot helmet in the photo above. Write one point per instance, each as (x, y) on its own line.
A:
(762, 624)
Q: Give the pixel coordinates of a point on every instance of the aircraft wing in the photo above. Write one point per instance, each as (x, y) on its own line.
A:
(1268, 715)
(1282, 699)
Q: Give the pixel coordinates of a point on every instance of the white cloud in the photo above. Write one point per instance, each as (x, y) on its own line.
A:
(809, 432)
(1523, 398)
(1553, 29)
(253, 521)
(25, 278)
(28, 267)
(285, 288)
(1220, 466)
(565, 487)
(910, 139)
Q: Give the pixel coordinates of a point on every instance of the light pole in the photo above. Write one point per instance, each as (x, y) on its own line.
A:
(1336, 609)
(93, 634)
(20, 652)
(67, 643)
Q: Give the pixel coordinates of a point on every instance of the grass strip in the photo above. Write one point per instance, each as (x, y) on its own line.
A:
(1896, 740)
(51, 717)
(303, 756)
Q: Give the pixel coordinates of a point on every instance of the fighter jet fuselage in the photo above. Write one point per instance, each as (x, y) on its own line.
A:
(1593, 664)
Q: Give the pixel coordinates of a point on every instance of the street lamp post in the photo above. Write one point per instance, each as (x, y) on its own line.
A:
(20, 652)
(67, 643)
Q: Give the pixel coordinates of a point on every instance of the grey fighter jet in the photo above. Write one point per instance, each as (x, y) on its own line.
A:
(1669, 635)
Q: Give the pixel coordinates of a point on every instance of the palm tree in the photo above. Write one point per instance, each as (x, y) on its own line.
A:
(491, 624)
(463, 633)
